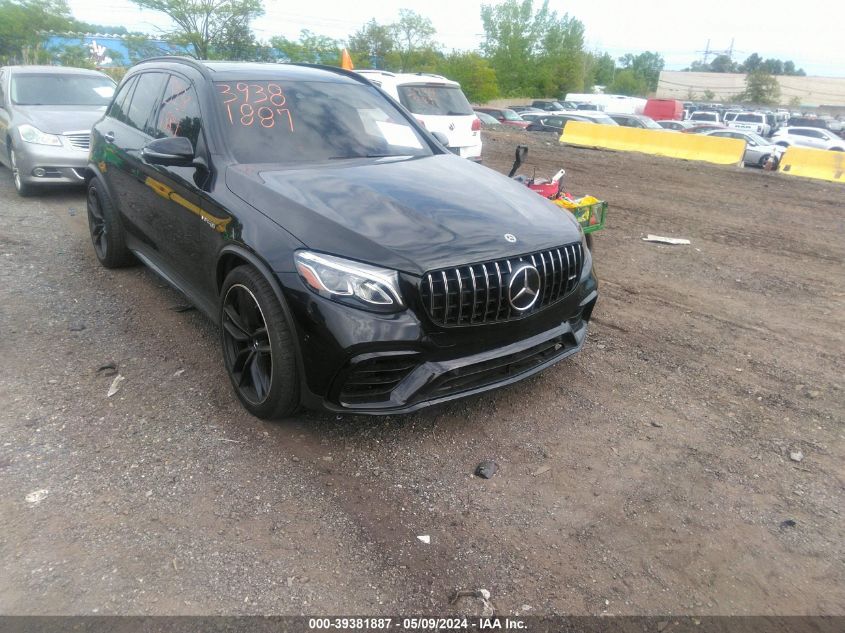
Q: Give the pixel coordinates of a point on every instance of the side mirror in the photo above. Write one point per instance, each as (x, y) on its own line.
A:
(172, 150)
(441, 138)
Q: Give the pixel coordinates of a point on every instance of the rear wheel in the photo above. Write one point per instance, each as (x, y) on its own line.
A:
(258, 348)
(23, 189)
(107, 233)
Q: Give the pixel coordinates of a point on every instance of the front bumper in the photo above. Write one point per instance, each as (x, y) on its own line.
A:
(49, 164)
(360, 362)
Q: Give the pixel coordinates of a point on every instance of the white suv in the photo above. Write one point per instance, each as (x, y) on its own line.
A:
(438, 103)
(751, 122)
(808, 137)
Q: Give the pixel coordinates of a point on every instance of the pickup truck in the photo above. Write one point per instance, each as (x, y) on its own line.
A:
(751, 122)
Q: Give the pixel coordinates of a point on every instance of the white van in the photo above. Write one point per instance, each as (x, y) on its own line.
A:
(438, 103)
(751, 122)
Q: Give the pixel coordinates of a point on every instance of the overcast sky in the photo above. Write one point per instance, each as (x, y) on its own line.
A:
(809, 32)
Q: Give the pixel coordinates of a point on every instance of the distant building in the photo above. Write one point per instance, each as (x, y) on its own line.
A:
(826, 93)
(110, 50)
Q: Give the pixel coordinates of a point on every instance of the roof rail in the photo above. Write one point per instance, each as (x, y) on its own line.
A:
(181, 59)
(334, 69)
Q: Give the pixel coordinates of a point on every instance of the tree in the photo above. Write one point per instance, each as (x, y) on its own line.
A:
(628, 83)
(413, 34)
(723, 64)
(21, 25)
(371, 45)
(751, 63)
(762, 88)
(310, 48)
(473, 72)
(602, 69)
(795, 103)
(206, 25)
(708, 95)
(646, 65)
(533, 52)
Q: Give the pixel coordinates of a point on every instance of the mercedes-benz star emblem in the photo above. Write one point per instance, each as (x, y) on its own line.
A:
(524, 287)
(452, 127)
(510, 237)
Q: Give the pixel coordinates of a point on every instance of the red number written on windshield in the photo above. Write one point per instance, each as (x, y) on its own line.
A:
(255, 104)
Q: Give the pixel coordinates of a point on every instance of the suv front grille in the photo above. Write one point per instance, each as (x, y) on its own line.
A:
(478, 293)
(79, 140)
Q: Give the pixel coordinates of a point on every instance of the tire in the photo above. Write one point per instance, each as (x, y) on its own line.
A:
(23, 189)
(107, 234)
(258, 346)
(763, 159)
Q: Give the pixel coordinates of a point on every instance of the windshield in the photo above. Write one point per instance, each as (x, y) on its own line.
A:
(510, 115)
(756, 138)
(749, 118)
(300, 122)
(61, 89)
(650, 124)
(434, 99)
(603, 119)
(704, 116)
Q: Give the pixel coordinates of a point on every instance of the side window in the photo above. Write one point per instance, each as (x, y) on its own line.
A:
(179, 114)
(2, 92)
(814, 134)
(799, 132)
(144, 100)
(118, 105)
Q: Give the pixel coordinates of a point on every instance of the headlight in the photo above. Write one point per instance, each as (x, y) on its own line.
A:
(32, 134)
(353, 283)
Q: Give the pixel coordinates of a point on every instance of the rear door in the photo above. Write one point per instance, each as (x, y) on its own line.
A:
(443, 108)
(133, 193)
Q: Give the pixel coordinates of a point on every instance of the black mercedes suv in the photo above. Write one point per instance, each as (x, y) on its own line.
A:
(351, 261)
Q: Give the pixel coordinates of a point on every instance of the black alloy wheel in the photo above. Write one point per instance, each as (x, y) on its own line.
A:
(97, 224)
(258, 348)
(247, 344)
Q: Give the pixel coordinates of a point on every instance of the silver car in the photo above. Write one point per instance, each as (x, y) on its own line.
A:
(46, 115)
(757, 148)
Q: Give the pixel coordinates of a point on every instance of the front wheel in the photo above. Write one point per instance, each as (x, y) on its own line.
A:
(258, 347)
(21, 187)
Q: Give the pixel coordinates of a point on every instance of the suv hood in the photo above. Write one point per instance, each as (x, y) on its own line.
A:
(407, 214)
(59, 119)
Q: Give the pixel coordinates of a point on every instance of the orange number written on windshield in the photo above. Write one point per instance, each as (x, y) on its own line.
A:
(255, 104)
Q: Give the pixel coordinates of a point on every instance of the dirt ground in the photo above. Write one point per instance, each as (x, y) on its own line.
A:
(650, 474)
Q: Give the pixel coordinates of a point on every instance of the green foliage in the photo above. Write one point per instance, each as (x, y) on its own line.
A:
(599, 70)
(627, 82)
(22, 21)
(372, 46)
(533, 52)
(310, 48)
(708, 95)
(761, 87)
(646, 66)
(219, 28)
(752, 63)
(413, 35)
(473, 72)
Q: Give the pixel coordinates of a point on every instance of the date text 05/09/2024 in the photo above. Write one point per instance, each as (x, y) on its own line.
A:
(418, 624)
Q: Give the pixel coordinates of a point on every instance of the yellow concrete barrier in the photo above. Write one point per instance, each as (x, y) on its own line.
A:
(814, 163)
(711, 149)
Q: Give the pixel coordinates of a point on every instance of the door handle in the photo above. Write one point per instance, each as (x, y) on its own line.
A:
(109, 136)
